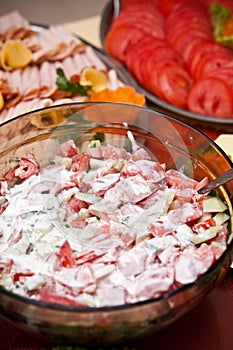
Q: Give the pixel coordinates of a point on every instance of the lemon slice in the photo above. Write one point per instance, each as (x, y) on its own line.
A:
(97, 79)
(15, 55)
(48, 120)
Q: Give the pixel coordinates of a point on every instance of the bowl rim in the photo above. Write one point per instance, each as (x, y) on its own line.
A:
(165, 296)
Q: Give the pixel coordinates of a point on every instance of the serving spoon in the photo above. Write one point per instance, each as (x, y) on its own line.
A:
(219, 181)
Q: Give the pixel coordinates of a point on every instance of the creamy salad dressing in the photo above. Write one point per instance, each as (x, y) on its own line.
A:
(104, 227)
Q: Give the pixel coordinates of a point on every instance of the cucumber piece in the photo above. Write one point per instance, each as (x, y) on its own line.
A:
(221, 218)
(205, 235)
(213, 205)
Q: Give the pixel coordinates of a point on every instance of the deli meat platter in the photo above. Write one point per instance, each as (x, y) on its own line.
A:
(34, 85)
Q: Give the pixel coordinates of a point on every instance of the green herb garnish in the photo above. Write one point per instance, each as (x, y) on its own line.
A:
(64, 84)
(222, 23)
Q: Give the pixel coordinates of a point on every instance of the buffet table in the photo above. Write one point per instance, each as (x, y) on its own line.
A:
(208, 326)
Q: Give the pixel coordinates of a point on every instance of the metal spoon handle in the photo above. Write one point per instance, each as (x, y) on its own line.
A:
(116, 8)
(219, 181)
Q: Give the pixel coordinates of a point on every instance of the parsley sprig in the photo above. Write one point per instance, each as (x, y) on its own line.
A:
(64, 84)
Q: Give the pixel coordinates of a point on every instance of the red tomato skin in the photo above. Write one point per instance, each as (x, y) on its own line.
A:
(210, 63)
(144, 21)
(209, 49)
(170, 5)
(53, 298)
(175, 83)
(120, 38)
(185, 37)
(224, 73)
(68, 149)
(212, 97)
(65, 255)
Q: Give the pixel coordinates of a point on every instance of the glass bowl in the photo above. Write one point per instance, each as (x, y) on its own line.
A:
(170, 141)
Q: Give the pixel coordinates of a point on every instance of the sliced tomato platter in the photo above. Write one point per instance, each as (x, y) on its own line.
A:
(170, 49)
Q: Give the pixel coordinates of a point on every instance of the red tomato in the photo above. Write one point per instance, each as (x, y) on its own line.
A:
(179, 39)
(68, 149)
(225, 73)
(65, 255)
(17, 275)
(145, 45)
(140, 11)
(211, 96)
(120, 38)
(77, 204)
(194, 42)
(150, 26)
(191, 11)
(53, 298)
(139, 6)
(210, 63)
(166, 6)
(208, 49)
(175, 83)
(160, 56)
(186, 17)
(26, 168)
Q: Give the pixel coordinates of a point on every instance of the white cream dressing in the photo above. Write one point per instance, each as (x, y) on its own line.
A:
(122, 243)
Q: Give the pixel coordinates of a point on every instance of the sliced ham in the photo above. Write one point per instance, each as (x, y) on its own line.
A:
(24, 107)
(94, 60)
(14, 25)
(56, 44)
(30, 83)
(48, 79)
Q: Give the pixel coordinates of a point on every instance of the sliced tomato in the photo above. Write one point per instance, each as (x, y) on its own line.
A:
(68, 149)
(138, 5)
(224, 73)
(24, 169)
(154, 83)
(77, 204)
(212, 97)
(65, 255)
(53, 298)
(149, 26)
(186, 17)
(185, 32)
(146, 45)
(120, 38)
(210, 63)
(18, 275)
(192, 11)
(209, 49)
(159, 57)
(153, 60)
(170, 5)
(188, 49)
(139, 12)
(175, 83)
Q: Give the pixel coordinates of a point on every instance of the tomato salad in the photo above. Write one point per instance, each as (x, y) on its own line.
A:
(169, 47)
(105, 227)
